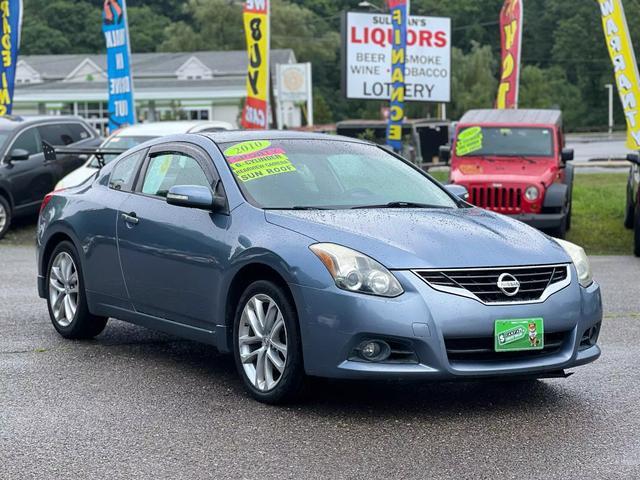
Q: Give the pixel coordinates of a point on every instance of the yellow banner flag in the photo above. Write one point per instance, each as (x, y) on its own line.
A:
(625, 69)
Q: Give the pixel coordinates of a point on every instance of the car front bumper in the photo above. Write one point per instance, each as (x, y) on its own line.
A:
(333, 322)
(541, 220)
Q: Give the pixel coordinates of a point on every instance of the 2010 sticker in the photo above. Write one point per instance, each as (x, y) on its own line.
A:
(244, 148)
(468, 141)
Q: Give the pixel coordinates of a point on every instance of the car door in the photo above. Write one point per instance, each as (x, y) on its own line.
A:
(172, 256)
(30, 180)
(62, 135)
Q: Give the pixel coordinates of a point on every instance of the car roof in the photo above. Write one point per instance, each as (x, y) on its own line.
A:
(513, 116)
(158, 129)
(243, 135)
(11, 122)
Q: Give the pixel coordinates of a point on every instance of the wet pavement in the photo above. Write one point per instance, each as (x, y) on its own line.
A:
(138, 404)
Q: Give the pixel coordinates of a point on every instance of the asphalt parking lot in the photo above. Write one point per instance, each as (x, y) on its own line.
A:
(137, 404)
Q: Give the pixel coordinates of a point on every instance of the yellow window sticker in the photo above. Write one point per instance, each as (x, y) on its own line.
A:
(263, 164)
(244, 148)
(468, 141)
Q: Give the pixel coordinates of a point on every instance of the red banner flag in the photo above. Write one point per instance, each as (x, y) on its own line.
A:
(511, 39)
(256, 27)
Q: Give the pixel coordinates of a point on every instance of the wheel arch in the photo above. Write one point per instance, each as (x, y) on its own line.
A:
(244, 277)
(4, 192)
(49, 246)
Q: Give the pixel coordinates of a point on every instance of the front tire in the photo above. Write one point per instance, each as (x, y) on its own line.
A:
(66, 297)
(267, 346)
(629, 212)
(5, 216)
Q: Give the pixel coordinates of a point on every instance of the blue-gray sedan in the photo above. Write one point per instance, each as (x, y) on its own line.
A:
(313, 255)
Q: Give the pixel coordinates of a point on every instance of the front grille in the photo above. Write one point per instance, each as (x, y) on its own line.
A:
(498, 199)
(536, 283)
(482, 349)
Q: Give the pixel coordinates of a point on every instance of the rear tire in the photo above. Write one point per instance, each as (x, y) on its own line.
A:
(66, 297)
(266, 343)
(636, 234)
(5, 216)
(629, 212)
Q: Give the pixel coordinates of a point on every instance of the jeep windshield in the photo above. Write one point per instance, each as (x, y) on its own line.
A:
(474, 141)
(329, 174)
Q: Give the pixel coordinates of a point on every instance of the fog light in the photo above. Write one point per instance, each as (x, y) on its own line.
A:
(374, 350)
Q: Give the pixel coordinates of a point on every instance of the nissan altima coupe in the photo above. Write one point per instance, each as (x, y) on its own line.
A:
(311, 255)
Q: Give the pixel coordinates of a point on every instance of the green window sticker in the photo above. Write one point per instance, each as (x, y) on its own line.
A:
(244, 148)
(468, 141)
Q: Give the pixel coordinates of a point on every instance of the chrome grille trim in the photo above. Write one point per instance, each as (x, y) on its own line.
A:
(450, 285)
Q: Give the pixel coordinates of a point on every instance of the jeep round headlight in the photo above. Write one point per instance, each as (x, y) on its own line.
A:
(355, 272)
(532, 193)
(580, 261)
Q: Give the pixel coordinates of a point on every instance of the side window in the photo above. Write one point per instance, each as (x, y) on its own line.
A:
(124, 172)
(77, 131)
(57, 135)
(29, 141)
(168, 169)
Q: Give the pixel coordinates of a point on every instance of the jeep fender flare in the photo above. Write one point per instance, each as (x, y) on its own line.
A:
(556, 195)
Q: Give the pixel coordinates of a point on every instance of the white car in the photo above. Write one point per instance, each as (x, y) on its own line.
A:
(135, 135)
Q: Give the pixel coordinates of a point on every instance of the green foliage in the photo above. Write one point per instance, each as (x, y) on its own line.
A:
(474, 80)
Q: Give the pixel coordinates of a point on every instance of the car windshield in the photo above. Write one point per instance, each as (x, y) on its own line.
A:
(328, 174)
(504, 141)
(119, 142)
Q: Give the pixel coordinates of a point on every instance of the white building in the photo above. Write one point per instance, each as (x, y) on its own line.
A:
(167, 86)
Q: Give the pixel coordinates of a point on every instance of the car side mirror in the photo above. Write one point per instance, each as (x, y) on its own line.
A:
(18, 154)
(566, 154)
(194, 196)
(444, 152)
(633, 158)
(457, 190)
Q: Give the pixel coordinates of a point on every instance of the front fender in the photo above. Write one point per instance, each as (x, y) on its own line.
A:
(555, 196)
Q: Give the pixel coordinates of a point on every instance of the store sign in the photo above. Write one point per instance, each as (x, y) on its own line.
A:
(11, 12)
(294, 82)
(625, 69)
(256, 26)
(399, 12)
(511, 41)
(120, 84)
(368, 39)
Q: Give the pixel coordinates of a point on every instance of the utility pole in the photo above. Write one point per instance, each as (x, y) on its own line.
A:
(609, 87)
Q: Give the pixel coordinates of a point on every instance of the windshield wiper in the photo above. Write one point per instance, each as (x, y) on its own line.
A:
(296, 207)
(400, 205)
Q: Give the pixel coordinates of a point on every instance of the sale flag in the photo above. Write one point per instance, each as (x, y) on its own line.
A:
(625, 69)
(256, 27)
(511, 17)
(399, 12)
(11, 11)
(120, 84)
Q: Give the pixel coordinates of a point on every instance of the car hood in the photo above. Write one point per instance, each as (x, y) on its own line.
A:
(496, 169)
(427, 238)
(76, 177)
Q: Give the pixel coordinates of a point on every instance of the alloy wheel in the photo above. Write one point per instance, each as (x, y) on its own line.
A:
(3, 217)
(262, 341)
(63, 289)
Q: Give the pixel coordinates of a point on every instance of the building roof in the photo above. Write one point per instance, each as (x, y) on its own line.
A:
(153, 65)
(156, 76)
(513, 116)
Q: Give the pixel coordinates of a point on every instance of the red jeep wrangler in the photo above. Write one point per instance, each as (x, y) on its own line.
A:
(514, 162)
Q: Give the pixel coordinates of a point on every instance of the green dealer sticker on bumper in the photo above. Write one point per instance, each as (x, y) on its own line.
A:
(519, 334)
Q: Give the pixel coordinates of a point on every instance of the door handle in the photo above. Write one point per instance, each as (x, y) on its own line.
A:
(130, 218)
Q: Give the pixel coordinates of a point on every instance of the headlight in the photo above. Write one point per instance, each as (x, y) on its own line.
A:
(356, 272)
(532, 193)
(580, 261)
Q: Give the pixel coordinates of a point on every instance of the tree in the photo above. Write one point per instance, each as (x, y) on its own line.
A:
(146, 28)
(474, 81)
